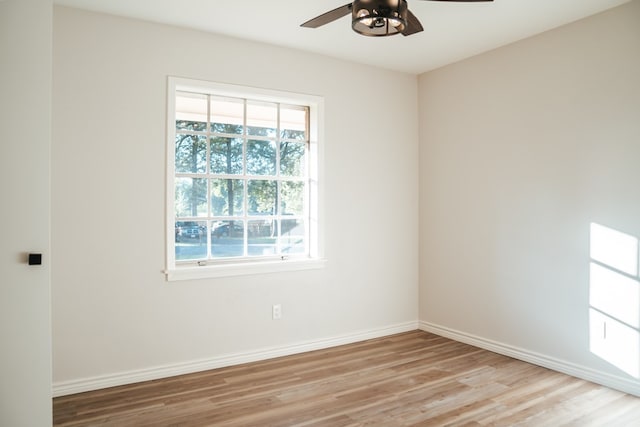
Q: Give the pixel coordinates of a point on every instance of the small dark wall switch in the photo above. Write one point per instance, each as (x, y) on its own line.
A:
(35, 259)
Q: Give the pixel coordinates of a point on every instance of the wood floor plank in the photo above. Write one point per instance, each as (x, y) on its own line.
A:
(410, 379)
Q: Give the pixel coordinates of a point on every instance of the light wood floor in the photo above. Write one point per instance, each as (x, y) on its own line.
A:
(409, 379)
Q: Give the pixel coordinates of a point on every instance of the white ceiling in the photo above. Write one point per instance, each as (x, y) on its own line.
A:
(453, 31)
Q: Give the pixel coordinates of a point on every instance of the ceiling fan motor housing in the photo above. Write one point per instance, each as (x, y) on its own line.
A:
(379, 17)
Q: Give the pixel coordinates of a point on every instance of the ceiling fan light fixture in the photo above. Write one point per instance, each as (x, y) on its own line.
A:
(379, 18)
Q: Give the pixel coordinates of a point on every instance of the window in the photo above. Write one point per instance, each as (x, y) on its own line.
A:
(242, 180)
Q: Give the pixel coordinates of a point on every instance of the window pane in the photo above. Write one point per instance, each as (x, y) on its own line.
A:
(191, 240)
(292, 158)
(293, 122)
(226, 155)
(262, 118)
(191, 111)
(292, 198)
(293, 235)
(191, 197)
(262, 197)
(239, 176)
(227, 239)
(227, 115)
(227, 197)
(262, 238)
(191, 154)
(261, 157)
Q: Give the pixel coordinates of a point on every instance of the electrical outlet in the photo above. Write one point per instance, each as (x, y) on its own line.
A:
(276, 311)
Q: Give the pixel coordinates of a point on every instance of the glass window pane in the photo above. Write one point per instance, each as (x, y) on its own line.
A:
(261, 157)
(262, 118)
(262, 238)
(292, 198)
(262, 197)
(227, 239)
(226, 155)
(191, 197)
(191, 240)
(292, 158)
(227, 197)
(191, 154)
(292, 239)
(191, 111)
(240, 176)
(227, 115)
(293, 122)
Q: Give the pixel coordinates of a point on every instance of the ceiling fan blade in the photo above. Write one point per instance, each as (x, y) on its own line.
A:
(330, 16)
(413, 25)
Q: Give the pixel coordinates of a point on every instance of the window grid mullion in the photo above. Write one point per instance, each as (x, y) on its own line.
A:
(278, 184)
(208, 170)
(307, 179)
(245, 210)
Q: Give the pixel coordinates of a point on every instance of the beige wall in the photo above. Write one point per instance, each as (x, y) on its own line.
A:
(115, 318)
(521, 149)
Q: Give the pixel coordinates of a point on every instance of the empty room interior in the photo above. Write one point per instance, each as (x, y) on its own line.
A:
(490, 198)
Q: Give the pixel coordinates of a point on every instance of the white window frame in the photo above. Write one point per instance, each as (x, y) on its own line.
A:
(175, 271)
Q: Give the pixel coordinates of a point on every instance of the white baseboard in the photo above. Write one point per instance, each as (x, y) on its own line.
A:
(615, 382)
(64, 388)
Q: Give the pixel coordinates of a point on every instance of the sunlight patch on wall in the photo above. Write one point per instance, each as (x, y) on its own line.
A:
(614, 298)
(614, 249)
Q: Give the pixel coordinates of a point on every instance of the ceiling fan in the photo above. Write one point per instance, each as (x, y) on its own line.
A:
(377, 17)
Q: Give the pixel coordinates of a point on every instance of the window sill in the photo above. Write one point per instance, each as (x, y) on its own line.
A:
(243, 269)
